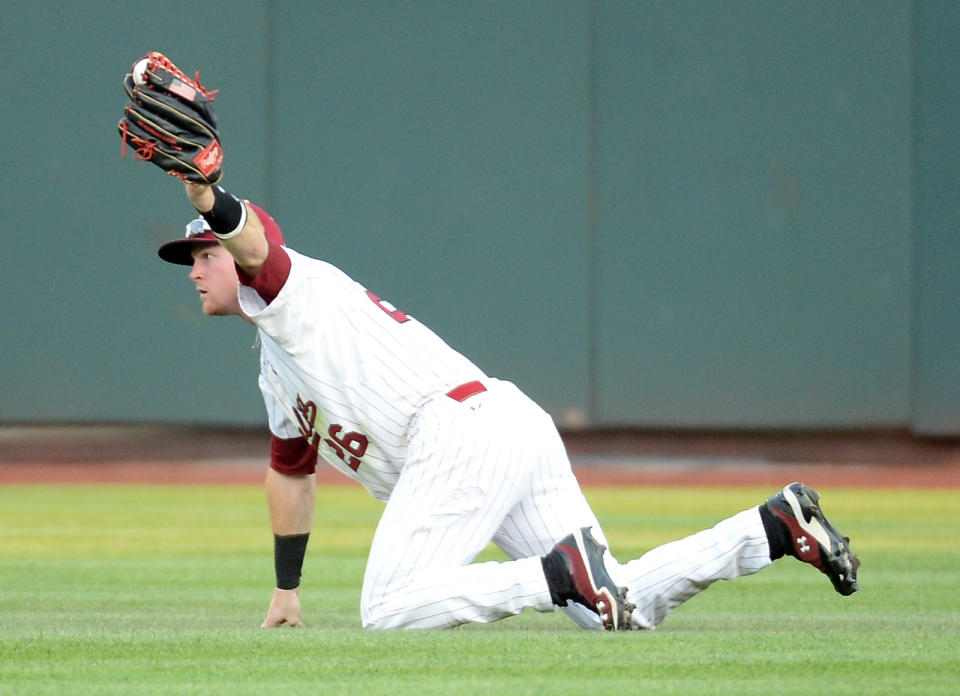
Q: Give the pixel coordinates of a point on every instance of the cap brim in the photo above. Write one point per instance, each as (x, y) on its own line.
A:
(180, 251)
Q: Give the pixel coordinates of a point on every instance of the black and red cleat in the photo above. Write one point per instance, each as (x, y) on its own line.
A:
(575, 572)
(814, 539)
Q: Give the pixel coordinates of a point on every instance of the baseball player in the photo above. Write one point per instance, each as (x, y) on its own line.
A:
(458, 457)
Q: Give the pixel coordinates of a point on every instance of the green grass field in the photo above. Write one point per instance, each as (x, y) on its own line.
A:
(161, 590)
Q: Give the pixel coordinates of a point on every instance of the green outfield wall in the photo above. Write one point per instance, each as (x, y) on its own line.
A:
(657, 214)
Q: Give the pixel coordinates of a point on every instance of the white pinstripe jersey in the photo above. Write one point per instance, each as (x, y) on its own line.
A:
(346, 370)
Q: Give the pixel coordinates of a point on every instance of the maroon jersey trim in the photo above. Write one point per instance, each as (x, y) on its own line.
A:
(293, 457)
(272, 275)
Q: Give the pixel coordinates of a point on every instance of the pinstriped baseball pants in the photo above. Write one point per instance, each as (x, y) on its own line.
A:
(493, 467)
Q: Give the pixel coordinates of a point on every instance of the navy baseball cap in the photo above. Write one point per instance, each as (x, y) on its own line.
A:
(180, 250)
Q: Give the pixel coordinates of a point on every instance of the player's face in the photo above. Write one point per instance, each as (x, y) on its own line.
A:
(215, 276)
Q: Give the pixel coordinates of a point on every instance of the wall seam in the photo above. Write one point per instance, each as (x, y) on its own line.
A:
(269, 108)
(914, 275)
(593, 399)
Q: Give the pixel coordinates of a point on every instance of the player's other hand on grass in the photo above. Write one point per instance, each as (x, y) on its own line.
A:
(284, 609)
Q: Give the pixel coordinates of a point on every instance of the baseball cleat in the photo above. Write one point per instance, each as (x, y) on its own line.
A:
(815, 540)
(575, 571)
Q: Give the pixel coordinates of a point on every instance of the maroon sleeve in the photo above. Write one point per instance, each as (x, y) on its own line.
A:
(293, 457)
(272, 275)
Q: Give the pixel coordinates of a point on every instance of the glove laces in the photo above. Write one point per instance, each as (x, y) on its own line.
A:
(157, 58)
(142, 149)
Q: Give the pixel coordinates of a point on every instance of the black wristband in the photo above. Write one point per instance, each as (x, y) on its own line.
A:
(288, 553)
(228, 215)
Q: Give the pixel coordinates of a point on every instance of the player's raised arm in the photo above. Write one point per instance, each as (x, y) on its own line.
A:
(238, 228)
(170, 122)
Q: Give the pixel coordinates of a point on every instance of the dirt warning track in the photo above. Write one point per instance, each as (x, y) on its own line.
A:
(185, 455)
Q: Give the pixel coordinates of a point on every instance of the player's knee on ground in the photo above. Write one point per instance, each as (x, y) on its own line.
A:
(374, 617)
(372, 622)
(379, 621)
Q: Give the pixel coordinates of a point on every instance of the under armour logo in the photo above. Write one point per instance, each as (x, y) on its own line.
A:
(802, 542)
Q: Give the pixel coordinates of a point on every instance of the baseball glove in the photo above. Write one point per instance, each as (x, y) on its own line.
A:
(170, 121)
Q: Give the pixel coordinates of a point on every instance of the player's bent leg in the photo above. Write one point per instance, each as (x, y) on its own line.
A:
(550, 521)
(665, 577)
(458, 485)
(447, 597)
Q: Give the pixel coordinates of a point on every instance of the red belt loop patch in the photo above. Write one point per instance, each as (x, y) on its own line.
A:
(465, 391)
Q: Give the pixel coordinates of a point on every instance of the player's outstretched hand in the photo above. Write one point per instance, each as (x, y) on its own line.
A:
(170, 120)
(284, 609)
